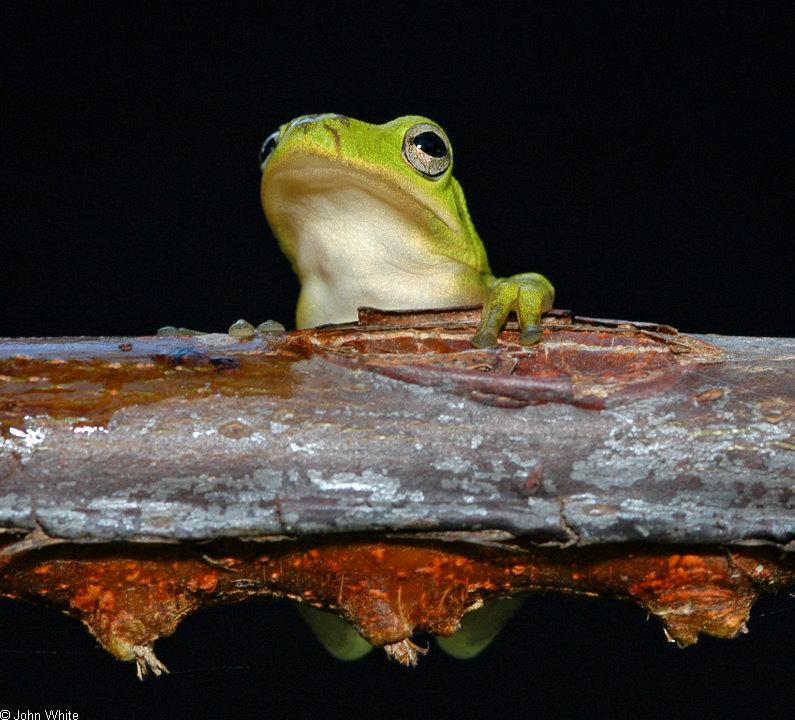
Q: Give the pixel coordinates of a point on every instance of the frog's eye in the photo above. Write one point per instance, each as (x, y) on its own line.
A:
(427, 150)
(267, 147)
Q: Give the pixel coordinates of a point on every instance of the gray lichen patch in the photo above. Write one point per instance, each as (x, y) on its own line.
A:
(355, 451)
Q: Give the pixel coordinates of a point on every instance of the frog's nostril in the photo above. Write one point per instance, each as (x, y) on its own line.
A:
(305, 119)
(267, 147)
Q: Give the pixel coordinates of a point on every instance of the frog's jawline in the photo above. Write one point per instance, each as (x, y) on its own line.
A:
(312, 174)
(361, 246)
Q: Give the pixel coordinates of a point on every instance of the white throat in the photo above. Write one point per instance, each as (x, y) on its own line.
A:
(354, 249)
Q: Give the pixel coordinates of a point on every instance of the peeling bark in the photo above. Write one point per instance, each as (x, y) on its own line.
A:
(388, 589)
(395, 475)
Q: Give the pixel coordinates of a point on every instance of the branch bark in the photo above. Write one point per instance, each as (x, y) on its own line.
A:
(608, 440)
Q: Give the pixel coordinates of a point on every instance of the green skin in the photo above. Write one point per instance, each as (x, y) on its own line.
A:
(478, 629)
(364, 225)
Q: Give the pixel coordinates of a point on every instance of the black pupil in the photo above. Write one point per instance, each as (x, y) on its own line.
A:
(431, 144)
(267, 149)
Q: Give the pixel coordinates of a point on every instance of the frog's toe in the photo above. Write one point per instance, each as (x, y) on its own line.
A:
(270, 326)
(533, 298)
(484, 339)
(529, 294)
(531, 335)
(242, 329)
(170, 330)
(495, 310)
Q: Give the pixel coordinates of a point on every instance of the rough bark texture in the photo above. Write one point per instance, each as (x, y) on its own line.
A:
(612, 450)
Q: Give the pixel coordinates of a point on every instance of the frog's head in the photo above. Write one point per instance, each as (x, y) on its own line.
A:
(327, 170)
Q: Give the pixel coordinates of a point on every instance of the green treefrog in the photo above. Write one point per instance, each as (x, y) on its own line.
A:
(371, 215)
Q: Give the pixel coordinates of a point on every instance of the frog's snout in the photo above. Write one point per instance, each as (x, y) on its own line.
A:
(307, 119)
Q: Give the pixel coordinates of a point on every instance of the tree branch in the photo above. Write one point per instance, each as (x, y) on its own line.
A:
(394, 437)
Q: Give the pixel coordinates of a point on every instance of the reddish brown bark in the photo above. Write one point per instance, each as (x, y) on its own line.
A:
(388, 589)
(142, 479)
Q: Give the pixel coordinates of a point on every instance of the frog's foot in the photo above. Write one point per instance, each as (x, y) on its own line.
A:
(270, 326)
(405, 652)
(244, 329)
(146, 661)
(479, 628)
(338, 636)
(239, 329)
(529, 294)
(170, 330)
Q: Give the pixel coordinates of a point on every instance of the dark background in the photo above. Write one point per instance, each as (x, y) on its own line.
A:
(634, 153)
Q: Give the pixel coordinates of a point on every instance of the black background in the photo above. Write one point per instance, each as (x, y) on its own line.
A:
(634, 153)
